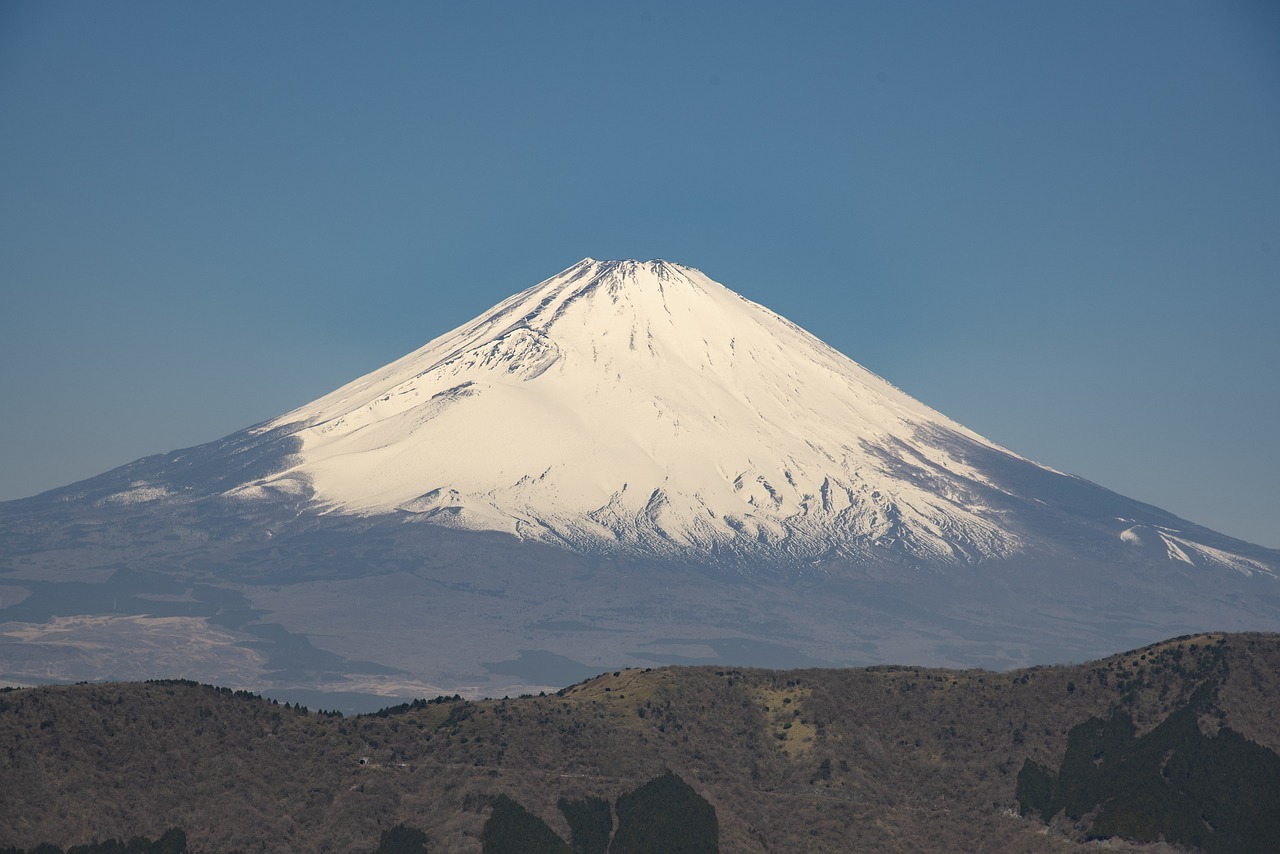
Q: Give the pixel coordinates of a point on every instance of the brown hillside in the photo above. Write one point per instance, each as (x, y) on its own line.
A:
(885, 758)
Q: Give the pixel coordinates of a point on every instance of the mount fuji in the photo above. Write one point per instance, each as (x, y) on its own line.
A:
(626, 464)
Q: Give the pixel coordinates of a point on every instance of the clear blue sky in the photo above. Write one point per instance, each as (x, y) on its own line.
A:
(1058, 223)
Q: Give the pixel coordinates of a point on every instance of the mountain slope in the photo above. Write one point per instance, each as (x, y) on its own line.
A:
(625, 465)
(641, 407)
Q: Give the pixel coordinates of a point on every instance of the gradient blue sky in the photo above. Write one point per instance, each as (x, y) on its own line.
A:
(1058, 223)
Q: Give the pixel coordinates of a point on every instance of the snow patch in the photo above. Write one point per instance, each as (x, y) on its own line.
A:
(1195, 553)
(139, 493)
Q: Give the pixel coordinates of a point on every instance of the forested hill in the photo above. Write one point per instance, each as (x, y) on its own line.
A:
(884, 758)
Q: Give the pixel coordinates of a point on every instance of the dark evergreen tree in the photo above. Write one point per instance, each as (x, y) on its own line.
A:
(511, 829)
(667, 815)
(1035, 789)
(590, 824)
(174, 840)
(1217, 793)
(402, 840)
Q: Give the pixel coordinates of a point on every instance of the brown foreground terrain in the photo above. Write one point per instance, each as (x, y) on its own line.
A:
(884, 758)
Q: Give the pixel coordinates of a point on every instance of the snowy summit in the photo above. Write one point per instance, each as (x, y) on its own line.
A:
(643, 406)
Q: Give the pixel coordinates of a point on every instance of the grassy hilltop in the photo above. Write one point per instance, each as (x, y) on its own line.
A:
(883, 758)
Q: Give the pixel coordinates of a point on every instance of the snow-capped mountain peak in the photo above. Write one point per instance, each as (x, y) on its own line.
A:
(644, 406)
(715, 484)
